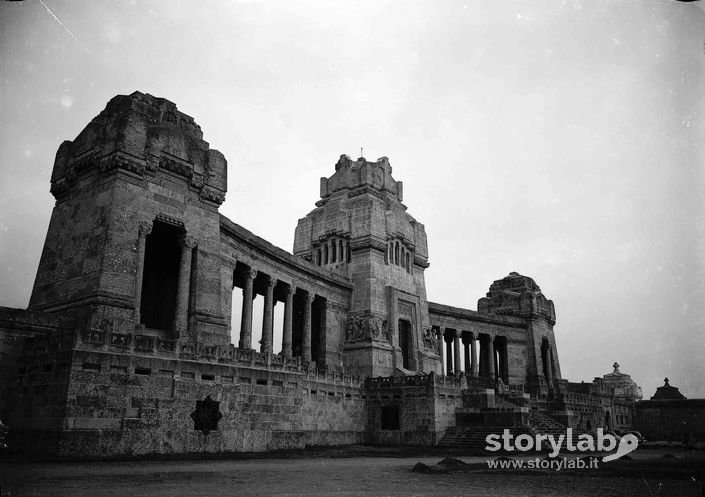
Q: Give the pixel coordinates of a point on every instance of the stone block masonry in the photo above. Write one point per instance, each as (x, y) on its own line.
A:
(88, 402)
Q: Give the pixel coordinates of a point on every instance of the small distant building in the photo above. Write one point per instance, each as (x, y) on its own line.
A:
(622, 385)
(668, 392)
(670, 416)
(606, 403)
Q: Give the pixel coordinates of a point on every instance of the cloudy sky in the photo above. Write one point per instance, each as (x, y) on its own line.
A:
(563, 140)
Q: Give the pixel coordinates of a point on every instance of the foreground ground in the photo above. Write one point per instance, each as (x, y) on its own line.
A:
(329, 474)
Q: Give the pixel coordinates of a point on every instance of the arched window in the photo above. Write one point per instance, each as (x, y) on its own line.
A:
(318, 257)
(396, 253)
(325, 254)
(333, 247)
(347, 249)
(340, 250)
(408, 262)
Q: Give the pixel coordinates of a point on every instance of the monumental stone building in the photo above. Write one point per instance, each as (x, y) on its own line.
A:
(127, 345)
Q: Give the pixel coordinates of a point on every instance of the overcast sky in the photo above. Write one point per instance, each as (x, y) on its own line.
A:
(563, 140)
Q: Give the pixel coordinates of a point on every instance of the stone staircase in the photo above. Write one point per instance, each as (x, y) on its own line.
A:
(541, 423)
(474, 437)
(544, 424)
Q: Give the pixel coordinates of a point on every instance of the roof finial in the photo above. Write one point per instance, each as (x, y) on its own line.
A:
(665, 382)
(361, 154)
(616, 368)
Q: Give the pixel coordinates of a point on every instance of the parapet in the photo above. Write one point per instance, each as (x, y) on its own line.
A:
(360, 176)
(517, 295)
(141, 135)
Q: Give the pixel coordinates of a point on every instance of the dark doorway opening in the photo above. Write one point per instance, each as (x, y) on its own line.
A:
(405, 342)
(318, 331)
(389, 418)
(160, 278)
(545, 358)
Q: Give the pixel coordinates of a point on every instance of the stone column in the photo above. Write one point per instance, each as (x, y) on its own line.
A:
(288, 320)
(474, 366)
(490, 353)
(456, 352)
(449, 352)
(187, 243)
(246, 322)
(267, 318)
(549, 367)
(306, 338)
(144, 230)
(466, 351)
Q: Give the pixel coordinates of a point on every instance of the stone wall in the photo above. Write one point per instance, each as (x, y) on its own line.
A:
(425, 406)
(15, 326)
(672, 420)
(100, 403)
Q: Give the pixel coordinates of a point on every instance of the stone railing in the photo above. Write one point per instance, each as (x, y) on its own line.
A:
(49, 343)
(459, 382)
(581, 399)
(421, 380)
(125, 343)
(516, 389)
(331, 377)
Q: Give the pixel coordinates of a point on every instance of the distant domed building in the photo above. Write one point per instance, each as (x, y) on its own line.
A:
(670, 416)
(667, 392)
(622, 384)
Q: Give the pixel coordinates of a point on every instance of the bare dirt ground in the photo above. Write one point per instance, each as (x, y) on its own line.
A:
(322, 474)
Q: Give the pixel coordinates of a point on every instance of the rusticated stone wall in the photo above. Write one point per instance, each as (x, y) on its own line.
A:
(90, 402)
(425, 405)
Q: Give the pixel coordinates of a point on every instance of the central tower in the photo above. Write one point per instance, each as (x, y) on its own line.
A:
(360, 228)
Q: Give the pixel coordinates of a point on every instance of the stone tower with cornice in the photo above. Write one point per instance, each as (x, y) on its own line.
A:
(361, 228)
(133, 242)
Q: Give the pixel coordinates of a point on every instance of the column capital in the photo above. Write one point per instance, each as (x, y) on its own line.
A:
(145, 228)
(270, 282)
(308, 297)
(443, 329)
(491, 338)
(290, 290)
(251, 274)
(458, 334)
(187, 241)
(475, 335)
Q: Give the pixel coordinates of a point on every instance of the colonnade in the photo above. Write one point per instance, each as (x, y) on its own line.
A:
(286, 292)
(398, 255)
(303, 330)
(484, 354)
(333, 251)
